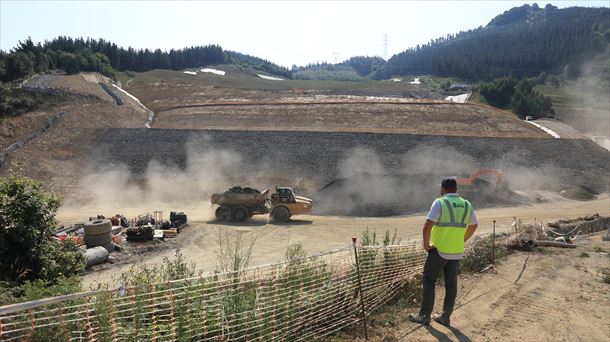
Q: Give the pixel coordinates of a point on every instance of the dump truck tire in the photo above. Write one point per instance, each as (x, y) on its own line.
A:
(223, 213)
(98, 240)
(97, 227)
(240, 214)
(280, 214)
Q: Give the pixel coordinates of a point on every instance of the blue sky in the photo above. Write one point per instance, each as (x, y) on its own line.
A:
(290, 32)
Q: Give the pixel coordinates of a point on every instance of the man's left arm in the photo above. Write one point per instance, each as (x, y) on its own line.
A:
(426, 234)
(472, 226)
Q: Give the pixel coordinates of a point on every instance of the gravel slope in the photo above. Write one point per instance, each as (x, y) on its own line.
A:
(551, 164)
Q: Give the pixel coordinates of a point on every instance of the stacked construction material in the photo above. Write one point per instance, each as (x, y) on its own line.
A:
(177, 220)
(98, 233)
(140, 234)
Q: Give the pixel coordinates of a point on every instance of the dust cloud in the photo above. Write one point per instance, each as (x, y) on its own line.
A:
(361, 185)
(365, 188)
(587, 104)
(114, 189)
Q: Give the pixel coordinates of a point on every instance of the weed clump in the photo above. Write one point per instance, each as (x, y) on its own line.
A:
(598, 249)
(479, 254)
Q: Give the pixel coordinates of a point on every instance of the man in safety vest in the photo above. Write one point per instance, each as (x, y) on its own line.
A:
(450, 223)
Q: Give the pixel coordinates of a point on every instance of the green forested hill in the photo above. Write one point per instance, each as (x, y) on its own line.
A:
(522, 41)
(354, 69)
(78, 54)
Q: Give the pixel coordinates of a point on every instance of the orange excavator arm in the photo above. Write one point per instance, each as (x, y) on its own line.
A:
(478, 173)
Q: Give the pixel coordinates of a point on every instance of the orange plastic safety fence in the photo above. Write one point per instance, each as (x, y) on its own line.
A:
(302, 299)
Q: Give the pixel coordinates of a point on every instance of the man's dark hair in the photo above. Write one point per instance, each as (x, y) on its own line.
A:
(449, 184)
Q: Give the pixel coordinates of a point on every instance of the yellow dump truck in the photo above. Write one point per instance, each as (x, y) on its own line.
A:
(237, 204)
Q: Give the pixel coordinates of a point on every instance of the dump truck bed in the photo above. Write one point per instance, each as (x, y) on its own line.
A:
(246, 200)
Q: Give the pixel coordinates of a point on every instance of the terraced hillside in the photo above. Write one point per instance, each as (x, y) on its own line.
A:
(244, 101)
(214, 130)
(164, 89)
(58, 156)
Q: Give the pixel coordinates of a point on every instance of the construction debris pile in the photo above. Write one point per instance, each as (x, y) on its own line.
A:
(560, 233)
(101, 236)
(585, 225)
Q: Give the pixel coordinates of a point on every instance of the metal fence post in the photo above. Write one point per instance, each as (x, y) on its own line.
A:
(366, 335)
(493, 244)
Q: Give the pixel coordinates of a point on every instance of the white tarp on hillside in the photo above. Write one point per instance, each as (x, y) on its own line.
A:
(396, 79)
(213, 71)
(190, 72)
(547, 130)
(458, 98)
(415, 81)
(271, 78)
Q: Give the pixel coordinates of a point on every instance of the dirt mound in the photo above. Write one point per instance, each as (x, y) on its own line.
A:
(400, 194)
(579, 192)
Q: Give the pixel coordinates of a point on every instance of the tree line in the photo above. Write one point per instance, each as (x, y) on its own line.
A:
(518, 95)
(78, 54)
(356, 68)
(523, 41)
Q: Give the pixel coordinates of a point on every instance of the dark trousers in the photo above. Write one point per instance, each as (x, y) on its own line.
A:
(433, 267)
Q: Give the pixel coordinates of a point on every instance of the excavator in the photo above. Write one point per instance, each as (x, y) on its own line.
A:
(477, 174)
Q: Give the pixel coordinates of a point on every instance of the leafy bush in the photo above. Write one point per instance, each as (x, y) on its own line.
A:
(294, 252)
(27, 219)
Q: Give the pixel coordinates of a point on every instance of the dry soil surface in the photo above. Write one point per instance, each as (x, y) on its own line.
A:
(15, 128)
(163, 89)
(71, 83)
(424, 119)
(198, 243)
(547, 295)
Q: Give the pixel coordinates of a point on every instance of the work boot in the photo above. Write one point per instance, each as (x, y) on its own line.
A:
(419, 319)
(441, 319)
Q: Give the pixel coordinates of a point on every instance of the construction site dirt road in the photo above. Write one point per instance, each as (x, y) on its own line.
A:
(199, 243)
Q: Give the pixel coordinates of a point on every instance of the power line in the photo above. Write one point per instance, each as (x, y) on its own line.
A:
(385, 46)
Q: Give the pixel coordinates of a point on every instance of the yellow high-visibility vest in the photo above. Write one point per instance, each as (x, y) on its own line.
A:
(448, 233)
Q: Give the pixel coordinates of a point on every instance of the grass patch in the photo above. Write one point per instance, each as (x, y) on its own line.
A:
(584, 255)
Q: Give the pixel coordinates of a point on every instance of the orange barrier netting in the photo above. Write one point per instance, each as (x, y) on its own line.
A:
(302, 299)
